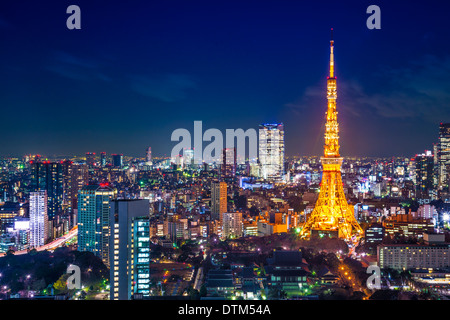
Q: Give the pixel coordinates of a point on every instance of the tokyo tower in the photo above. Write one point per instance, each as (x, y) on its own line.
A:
(332, 215)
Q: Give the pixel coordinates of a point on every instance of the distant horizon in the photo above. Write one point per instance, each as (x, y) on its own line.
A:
(159, 157)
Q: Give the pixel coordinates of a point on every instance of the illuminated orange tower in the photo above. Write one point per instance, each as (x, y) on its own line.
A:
(332, 215)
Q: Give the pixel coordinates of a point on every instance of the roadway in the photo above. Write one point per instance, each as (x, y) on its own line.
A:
(52, 245)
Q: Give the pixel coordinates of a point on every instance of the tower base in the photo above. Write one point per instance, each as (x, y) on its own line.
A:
(319, 234)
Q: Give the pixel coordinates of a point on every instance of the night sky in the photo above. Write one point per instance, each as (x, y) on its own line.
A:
(138, 70)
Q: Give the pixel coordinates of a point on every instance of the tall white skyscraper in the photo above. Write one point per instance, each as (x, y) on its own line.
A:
(188, 157)
(38, 218)
(271, 151)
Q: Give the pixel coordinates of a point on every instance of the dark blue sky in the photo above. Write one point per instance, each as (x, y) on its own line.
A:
(136, 71)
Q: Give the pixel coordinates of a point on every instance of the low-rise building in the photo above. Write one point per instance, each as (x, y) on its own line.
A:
(410, 256)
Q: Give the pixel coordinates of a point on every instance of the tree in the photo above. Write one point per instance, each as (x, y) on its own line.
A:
(61, 284)
(203, 292)
(193, 293)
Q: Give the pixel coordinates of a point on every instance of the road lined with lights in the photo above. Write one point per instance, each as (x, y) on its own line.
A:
(52, 245)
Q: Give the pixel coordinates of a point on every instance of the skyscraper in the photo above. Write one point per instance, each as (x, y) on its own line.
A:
(424, 164)
(117, 160)
(229, 163)
(332, 215)
(443, 155)
(93, 220)
(271, 151)
(90, 159)
(149, 156)
(75, 177)
(188, 158)
(38, 218)
(103, 159)
(46, 175)
(218, 200)
(130, 254)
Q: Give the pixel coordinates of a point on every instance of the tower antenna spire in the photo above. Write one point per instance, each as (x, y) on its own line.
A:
(332, 55)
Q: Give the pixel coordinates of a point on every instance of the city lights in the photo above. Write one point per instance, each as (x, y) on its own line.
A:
(126, 174)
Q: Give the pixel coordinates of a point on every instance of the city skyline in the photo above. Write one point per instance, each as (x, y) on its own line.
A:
(132, 75)
(195, 150)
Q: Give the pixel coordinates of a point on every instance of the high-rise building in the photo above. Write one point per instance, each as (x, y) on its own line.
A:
(130, 254)
(93, 220)
(90, 159)
(232, 225)
(229, 163)
(117, 160)
(103, 159)
(218, 200)
(271, 151)
(75, 177)
(332, 215)
(38, 218)
(188, 158)
(443, 155)
(149, 156)
(48, 176)
(424, 175)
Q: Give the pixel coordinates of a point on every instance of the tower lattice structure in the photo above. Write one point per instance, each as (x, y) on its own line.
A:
(332, 214)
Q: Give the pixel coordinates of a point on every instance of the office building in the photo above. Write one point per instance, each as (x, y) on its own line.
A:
(188, 158)
(411, 256)
(90, 159)
(75, 177)
(48, 176)
(93, 220)
(149, 156)
(218, 200)
(443, 155)
(271, 151)
(117, 160)
(229, 163)
(103, 159)
(39, 232)
(130, 254)
(424, 175)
